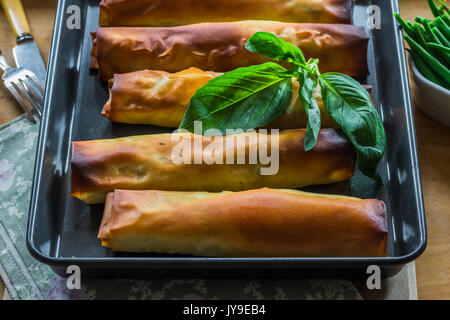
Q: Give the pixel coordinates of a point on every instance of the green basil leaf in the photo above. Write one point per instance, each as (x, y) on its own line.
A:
(350, 106)
(271, 46)
(244, 98)
(305, 94)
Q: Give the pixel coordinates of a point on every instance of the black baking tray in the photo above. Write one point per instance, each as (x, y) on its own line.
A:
(62, 230)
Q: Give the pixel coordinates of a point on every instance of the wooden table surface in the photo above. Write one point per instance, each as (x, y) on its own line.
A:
(433, 267)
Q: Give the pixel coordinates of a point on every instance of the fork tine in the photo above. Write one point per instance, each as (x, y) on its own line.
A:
(38, 98)
(12, 88)
(24, 97)
(37, 83)
(28, 97)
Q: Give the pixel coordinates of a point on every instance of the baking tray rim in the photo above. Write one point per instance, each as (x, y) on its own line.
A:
(215, 262)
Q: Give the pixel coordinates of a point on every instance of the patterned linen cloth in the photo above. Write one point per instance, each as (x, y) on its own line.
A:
(27, 278)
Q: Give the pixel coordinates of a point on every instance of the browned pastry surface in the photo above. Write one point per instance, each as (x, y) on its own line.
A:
(146, 162)
(263, 222)
(161, 98)
(137, 13)
(219, 47)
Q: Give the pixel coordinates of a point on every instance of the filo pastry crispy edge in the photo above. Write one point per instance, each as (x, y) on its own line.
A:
(254, 223)
(147, 162)
(220, 47)
(117, 13)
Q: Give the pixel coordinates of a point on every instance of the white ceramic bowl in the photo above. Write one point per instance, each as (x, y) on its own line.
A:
(432, 99)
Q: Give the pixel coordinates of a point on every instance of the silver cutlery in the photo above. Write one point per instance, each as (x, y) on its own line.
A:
(25, 87)
(26, 53)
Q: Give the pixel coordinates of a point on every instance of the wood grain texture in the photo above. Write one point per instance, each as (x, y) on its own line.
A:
(40, 17)
(433, 140)
(433, 267)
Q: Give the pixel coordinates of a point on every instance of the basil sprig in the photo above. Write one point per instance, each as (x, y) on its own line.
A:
(244, 98)
(254, 96)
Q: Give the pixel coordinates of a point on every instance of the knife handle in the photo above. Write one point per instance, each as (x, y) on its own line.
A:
(16, 17)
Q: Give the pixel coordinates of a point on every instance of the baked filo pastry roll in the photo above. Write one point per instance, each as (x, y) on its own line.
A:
(220, 47)
(188, 162)
(255, 223)
(161, 98)
(117, 13)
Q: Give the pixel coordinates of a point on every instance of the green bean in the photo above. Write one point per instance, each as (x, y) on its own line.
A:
(418, 19)
(434, 8)
(419, 34)
(425, 34)
(439, 54)
(431, 61)
(442, 26)
(403, 25)
(441, 37)
(427, 27)
(425, 70)
(446, 19)
(439, 47)
(410, 25)
(444, 6)
(442, 53)
(433, 38)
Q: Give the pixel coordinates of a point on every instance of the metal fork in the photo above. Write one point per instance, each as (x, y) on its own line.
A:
(25, 87)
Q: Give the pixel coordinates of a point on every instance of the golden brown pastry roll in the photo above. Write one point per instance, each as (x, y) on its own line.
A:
(161, 98)
(255, 223)
(187, 162)
(220, 47)
(139, 13)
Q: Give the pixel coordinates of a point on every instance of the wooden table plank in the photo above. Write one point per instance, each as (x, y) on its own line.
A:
(433, 144)
(433, 267)
(40, 16)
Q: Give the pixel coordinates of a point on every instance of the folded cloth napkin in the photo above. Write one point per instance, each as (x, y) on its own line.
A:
(26, 278)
